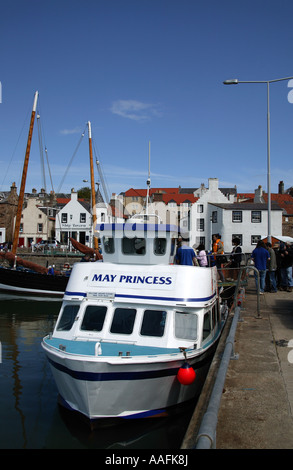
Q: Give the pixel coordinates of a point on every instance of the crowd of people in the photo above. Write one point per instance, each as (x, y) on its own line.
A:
(273, 264)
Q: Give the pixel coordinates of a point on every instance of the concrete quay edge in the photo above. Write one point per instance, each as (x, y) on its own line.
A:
(256, 410)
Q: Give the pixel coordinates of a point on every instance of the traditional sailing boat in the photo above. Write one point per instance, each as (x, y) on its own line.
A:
(31, 278)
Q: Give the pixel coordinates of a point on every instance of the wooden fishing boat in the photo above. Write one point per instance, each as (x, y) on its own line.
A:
(22, 277)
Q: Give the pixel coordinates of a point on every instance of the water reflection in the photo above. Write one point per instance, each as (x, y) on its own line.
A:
(29, 398)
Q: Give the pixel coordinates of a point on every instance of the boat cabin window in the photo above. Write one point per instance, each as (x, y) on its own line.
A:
(153, 323)
(207, 326)
(160, 246)
(108, 243)
(123, 321)
(185, 325)
(94, 317)
(68, 316)
(133, 246)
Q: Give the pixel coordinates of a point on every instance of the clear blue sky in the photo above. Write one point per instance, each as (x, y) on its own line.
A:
(147, 70)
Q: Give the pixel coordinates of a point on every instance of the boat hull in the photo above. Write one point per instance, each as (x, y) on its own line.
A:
(99, 389)
(32, 283)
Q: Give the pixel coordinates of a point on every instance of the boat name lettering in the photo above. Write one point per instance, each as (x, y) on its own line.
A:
(127, 279)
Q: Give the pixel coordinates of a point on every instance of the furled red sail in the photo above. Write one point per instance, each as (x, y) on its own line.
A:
(21, 262)
(86, 250)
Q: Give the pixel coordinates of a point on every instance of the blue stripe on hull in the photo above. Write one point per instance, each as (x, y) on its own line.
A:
(148, 297)
(106, 376)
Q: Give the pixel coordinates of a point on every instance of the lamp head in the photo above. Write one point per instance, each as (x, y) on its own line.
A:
(234, 81)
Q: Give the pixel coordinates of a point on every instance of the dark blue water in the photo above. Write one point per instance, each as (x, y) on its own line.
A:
(30, 415)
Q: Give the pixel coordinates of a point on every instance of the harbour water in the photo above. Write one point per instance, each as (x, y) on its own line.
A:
(30, 415)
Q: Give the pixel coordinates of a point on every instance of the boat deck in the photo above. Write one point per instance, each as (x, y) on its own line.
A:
(109, 349)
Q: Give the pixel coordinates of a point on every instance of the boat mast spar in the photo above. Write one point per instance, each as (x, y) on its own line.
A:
(96, 243)
(148, 181)
(23, 179)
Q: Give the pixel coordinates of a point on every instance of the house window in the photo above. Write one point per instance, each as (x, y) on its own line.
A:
(200, 225)
(237, 235)
(40, 228)
(200, 208)
(21, 228)
(255, 216)
(255, 239)
(236, 216)
(64, 218)
(214, 217)
(82, 218)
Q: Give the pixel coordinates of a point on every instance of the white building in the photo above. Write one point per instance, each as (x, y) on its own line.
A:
(2, 234)
(246, 221)
(74, 220)
(200, 225)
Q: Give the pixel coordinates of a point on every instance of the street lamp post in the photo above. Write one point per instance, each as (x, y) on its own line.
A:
(235, 81)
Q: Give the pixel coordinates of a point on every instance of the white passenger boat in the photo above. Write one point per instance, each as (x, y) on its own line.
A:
(136, 333)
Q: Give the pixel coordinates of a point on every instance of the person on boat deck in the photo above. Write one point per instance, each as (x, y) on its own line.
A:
(185, 255)
(235, 259)
(51, 270)
(218, 251)
(202, 256)
(86, 258)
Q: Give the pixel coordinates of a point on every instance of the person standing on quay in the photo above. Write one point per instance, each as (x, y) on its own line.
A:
(272, 268)
(260, 257)
(286, 261)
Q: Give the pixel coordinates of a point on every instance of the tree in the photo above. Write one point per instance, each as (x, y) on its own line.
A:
(84, 193)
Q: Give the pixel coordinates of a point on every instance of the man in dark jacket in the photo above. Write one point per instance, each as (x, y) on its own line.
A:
(286, 261)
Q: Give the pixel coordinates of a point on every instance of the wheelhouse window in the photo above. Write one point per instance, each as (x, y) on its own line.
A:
(186, 325)
(94, 318)
(207, 326)
(153, 323)
(160, 246)
(108, 243)
(67, 318)
(133, 246)
(123, 321)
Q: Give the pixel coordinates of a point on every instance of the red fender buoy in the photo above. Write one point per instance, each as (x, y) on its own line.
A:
(186, 374)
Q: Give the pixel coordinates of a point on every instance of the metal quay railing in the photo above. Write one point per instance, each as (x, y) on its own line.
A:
(206, 437)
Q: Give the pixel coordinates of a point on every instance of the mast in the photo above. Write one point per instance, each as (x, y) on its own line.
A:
(23, 179)
(96, 243)
(148, 181)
